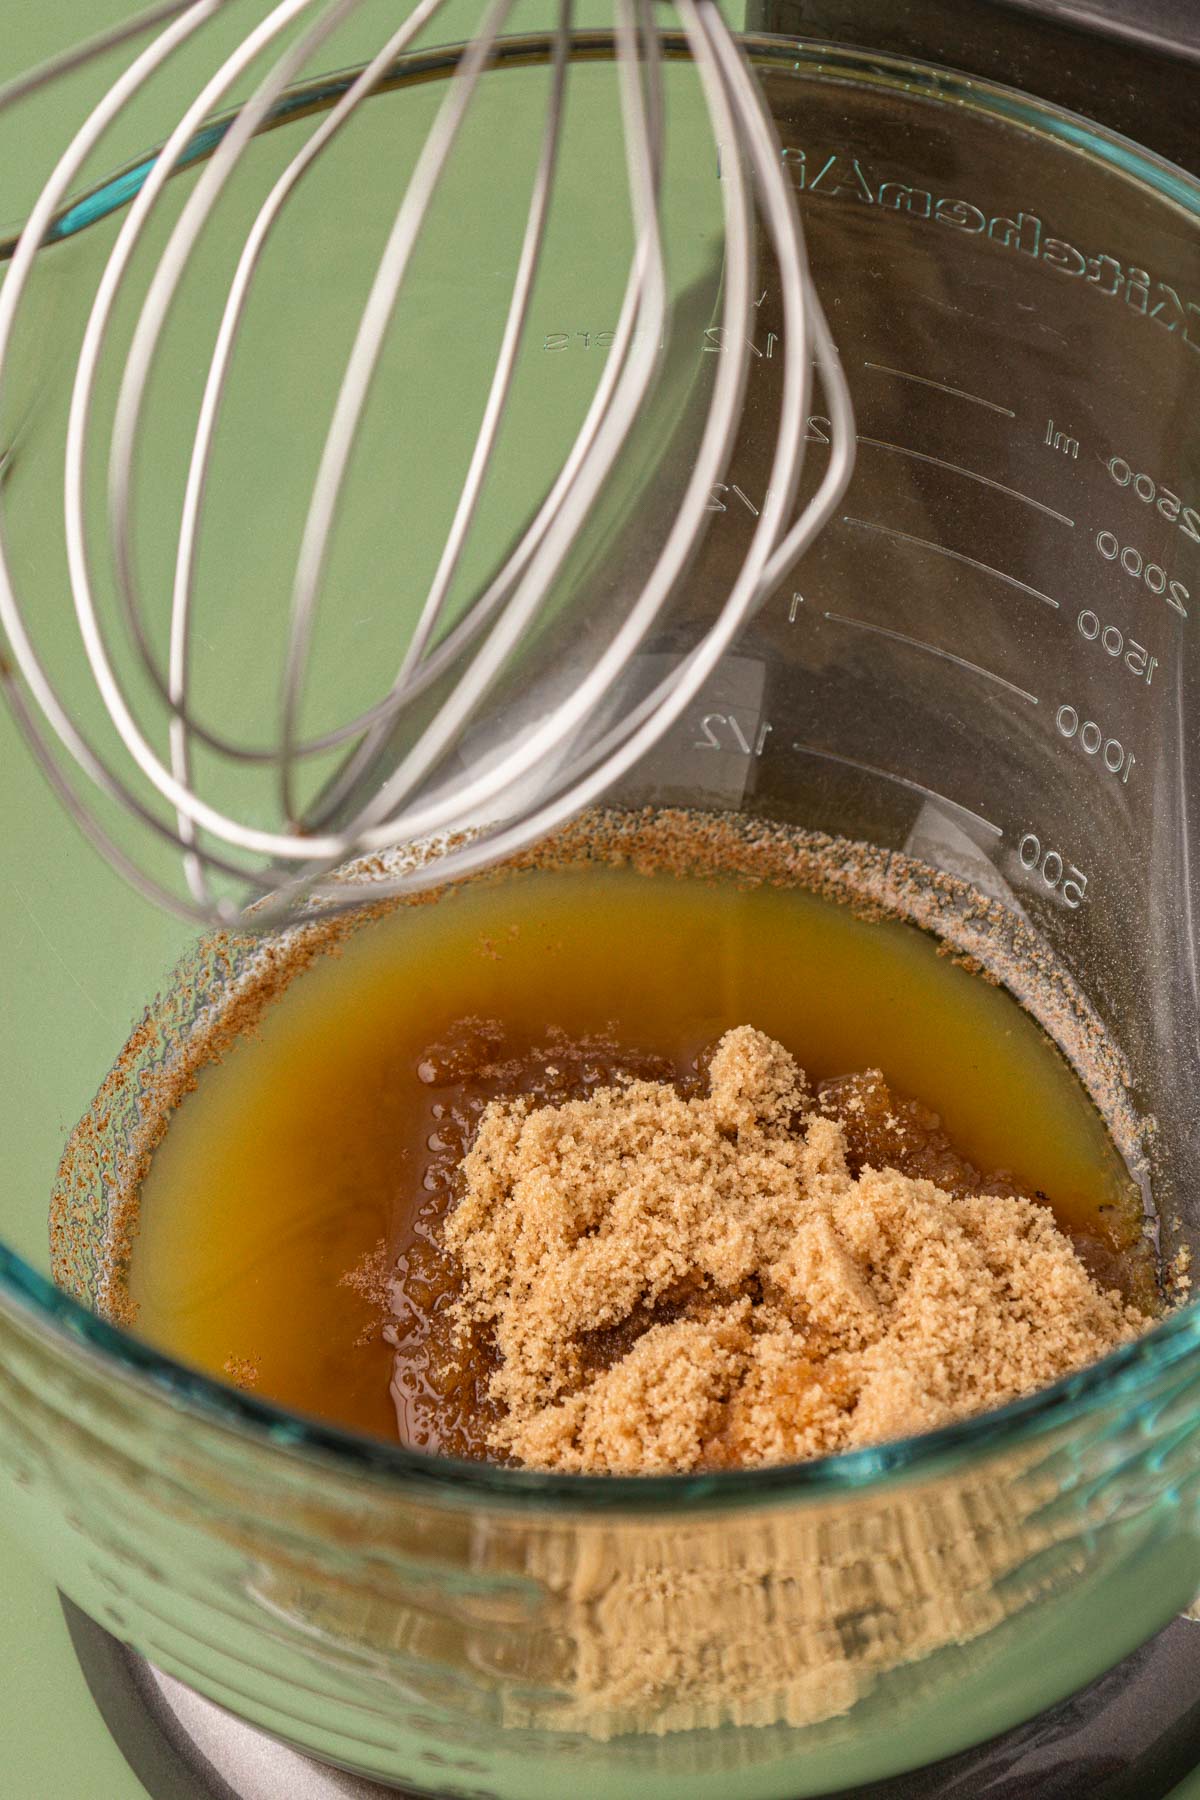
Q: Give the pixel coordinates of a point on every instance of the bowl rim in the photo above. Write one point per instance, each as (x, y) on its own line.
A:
(768, 53)
(66, 1327)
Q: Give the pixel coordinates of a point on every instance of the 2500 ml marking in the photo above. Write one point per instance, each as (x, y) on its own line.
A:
(1061, 877)
(1152, 493)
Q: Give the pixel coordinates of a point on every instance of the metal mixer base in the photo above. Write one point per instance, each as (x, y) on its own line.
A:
(1132, 1735)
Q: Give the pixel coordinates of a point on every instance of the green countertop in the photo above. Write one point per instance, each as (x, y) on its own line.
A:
(55, 1746)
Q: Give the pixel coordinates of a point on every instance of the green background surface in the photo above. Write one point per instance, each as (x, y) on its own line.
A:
(66, 968)
(53, 1745)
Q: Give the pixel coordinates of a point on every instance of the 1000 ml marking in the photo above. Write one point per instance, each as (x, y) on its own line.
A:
(1092, 741)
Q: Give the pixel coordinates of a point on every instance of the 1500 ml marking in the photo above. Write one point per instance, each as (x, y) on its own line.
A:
(1113, 641)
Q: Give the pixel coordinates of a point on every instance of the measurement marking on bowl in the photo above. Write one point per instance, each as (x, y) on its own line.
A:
(940, 462)
(901, 637)
(944, 386)
(906, 537)
(904, 781)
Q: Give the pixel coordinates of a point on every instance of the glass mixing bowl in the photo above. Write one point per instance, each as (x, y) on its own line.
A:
(984, 671)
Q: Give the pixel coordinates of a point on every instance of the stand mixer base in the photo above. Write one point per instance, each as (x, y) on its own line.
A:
(1132, 1735)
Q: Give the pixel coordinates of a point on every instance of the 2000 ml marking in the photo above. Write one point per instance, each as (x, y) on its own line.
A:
(1139, 568)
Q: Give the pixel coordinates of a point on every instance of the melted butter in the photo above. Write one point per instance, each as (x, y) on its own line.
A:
(316, 1140)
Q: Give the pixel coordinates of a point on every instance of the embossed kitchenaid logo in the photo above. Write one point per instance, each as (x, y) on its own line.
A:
(839, 175)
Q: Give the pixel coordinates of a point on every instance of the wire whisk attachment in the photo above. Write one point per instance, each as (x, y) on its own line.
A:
(514, 696)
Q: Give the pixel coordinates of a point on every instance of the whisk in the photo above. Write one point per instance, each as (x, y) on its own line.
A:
(436, 760)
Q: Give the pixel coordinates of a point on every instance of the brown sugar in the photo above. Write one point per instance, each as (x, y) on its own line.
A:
(289, 1107)
(672, 1281)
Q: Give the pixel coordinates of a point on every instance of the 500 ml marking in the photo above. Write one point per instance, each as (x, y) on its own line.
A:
(1052, 869)
(1152, 493)
(1092, 741)
(1136, 657)
(1136, 566)
(722, 731)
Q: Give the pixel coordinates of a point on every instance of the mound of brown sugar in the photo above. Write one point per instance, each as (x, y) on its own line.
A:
(678, 1283)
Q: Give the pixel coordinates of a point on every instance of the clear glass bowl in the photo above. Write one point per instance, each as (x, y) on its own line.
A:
(457, 1629)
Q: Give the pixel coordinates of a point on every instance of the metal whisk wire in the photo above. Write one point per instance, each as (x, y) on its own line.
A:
(379, 798)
